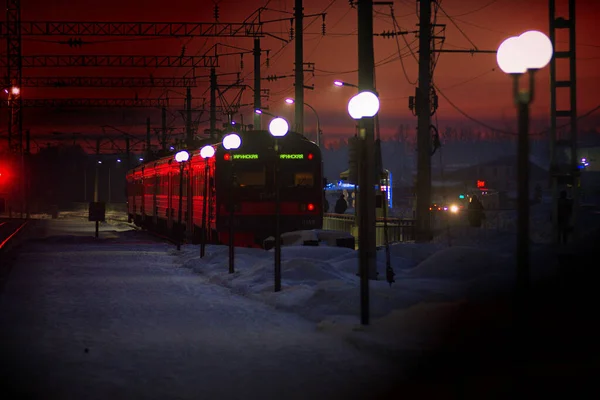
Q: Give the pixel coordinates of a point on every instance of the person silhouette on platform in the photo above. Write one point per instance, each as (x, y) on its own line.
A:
(341, 205)
(475, 212)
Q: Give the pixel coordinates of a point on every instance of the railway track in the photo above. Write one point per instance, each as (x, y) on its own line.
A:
(10, 229)
(11, 233)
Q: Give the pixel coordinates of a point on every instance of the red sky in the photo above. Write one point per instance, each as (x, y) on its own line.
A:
(471, 82)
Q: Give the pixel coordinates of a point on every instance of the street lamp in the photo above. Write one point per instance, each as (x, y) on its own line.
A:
(289, 100)
(278, 128)
(528, 52)
(231, 141)
(364, 105)
(181, 157)
(342, 83)
(206, 152)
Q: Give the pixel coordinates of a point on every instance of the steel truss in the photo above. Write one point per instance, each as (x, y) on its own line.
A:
(93, 81)
(173, 29)
(99, 102)
(48, 61)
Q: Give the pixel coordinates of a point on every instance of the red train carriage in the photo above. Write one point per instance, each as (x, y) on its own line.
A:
(244, 178)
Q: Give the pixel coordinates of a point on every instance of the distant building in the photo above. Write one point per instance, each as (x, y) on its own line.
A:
(496, 176)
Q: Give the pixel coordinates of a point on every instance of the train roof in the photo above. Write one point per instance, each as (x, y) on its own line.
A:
(261, 137)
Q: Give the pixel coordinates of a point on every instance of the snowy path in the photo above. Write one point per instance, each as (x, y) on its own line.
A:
(86, 319)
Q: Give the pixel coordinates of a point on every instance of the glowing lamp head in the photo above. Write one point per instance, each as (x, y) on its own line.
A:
(536, 49)
(182, 156)
(15, 91)
(278, 127)
(364, 104)
(454, 208)
(207, 151)
(338, 83)
(258, 111)
(289, 100)
(510, 56)
(232, 141)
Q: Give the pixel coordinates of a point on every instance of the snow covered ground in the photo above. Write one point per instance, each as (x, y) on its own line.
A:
(127, 317)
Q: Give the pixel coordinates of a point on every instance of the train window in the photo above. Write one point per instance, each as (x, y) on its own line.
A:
(297, 179)
(304, 179)
(251, 178)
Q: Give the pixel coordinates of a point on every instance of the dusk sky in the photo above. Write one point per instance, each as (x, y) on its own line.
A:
(474, 83)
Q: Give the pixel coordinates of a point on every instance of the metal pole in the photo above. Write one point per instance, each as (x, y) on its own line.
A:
(96, 179)
(27, 172)
(299, 68)
(204, 208)
(231, 218)
(148, 140)
(277, 221)
(257, 89)
(318, 124)
(189, 136)
(523, 101)
(366, 215)
(109, 184)
(163, 141)
(423, 125)
(213, 102)
(573, 125)
(179, 212)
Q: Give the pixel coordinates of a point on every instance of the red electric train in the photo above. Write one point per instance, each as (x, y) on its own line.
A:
(245, 178)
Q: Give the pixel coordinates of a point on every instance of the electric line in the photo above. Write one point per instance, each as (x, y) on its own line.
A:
(456, 25)
(477, 9)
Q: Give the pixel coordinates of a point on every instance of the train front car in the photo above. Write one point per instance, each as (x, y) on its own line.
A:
(246, 177)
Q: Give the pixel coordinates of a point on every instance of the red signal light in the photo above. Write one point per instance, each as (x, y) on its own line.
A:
(311, 207)
(310, 156)
(226, 157)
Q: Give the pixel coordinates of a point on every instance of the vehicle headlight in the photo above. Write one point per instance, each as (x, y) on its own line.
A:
(454, 208)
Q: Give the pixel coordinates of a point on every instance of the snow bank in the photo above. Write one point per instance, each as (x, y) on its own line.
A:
(457, 263)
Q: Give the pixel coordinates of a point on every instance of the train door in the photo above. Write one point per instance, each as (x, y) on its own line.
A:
(189, 196)
(156, 183)
(170, 208)
(143, 194)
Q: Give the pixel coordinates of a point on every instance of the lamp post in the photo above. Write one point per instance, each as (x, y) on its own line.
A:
(278, 127)
(181, 157)
(289, 100)
(206, 152)
(364, 105)
(231, 142)
(530, 51)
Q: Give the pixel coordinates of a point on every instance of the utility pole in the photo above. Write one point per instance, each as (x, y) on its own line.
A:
(213, 102)
(163, 140)
(257, 90)
(423, 233)
(189, 135)
(148, 152)
(299, 69)
(563, 110)
(366, 178)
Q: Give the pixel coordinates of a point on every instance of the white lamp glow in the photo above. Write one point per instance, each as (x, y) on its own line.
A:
(510, 56)
(354, 108)
(338, 83)
(369, 103)
(207, 151)
(536, 49)
(364, 104)
(278, 127)
(289, 100)
(182, 156)
(232, 141)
